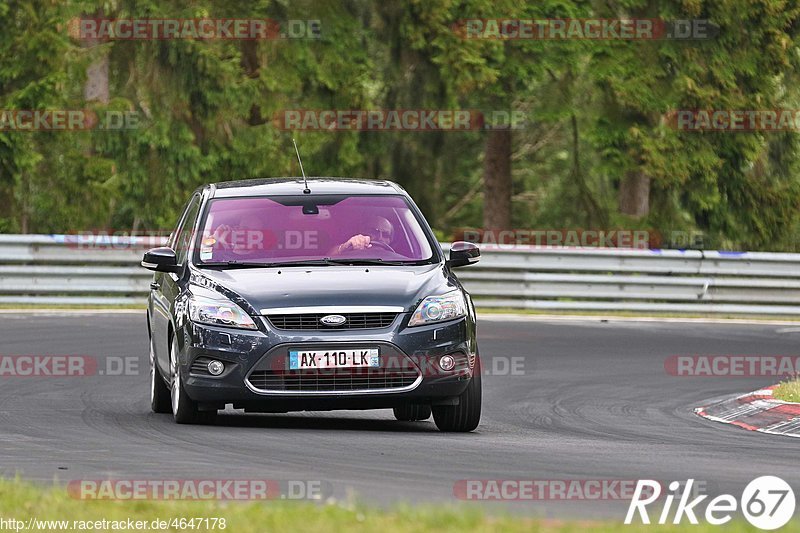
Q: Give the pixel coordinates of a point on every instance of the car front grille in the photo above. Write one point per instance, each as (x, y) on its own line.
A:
(396, 373)
(334, 380)
(307, 321)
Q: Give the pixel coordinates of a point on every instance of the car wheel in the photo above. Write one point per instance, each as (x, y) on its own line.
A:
(411, 412)
(160, 401)
(467, 414)
(184, 409)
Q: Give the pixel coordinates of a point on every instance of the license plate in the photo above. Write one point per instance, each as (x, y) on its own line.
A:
(361, 358)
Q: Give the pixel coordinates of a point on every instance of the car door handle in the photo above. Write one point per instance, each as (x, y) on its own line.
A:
(155, 286)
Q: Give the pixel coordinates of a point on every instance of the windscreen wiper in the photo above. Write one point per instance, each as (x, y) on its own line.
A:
(362, 262)
(307, 262)
(329, 261)
(273, 264)
(238, 264)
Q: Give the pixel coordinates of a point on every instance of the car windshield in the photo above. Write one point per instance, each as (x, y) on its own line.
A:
(324, 228)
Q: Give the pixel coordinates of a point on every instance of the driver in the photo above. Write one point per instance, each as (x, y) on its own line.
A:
(378, 230)
(244, 238)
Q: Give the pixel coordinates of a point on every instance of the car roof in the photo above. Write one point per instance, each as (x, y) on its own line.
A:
(292, 186)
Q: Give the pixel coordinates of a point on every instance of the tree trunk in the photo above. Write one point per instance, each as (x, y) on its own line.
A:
(634, 194)
(96, 87)
(25, 204)
(497, 180)
(592, 211)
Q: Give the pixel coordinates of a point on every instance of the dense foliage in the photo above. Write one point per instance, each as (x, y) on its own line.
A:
(596, 149)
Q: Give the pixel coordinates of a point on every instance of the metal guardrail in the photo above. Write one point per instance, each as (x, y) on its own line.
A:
(73, 269)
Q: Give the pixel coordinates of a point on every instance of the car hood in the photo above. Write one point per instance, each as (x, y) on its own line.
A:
(277, 288)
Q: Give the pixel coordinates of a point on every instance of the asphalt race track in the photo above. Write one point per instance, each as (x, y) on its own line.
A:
(588, 400)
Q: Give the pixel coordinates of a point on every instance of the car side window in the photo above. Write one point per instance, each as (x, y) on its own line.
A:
(183, 239)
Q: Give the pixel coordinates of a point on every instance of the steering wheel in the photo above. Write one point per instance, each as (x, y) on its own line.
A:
(383, 245)
(378, 244)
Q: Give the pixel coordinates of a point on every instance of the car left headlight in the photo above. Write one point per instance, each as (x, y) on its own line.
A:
(439, 308)
(222, 312)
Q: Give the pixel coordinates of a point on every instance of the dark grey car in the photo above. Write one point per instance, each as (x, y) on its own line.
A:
(274, 296)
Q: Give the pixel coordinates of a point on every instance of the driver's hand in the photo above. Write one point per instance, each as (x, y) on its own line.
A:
(356, 242)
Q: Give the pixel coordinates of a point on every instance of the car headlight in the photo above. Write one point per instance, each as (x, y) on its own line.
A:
(439, 308)
(222, 312)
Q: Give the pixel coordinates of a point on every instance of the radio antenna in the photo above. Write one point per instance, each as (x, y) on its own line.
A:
(305, 180)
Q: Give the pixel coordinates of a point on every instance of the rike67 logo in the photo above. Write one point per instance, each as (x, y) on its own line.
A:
(767, 502)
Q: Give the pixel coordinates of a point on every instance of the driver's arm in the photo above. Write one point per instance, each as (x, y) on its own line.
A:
(356, 242)
(221, 236)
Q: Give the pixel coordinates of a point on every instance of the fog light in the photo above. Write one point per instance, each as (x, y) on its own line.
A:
(447, 362)
(215, 368)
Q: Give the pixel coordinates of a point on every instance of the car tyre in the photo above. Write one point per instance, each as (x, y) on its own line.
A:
(412, 412)
(466, 415)
(184, 409)
(160, 400)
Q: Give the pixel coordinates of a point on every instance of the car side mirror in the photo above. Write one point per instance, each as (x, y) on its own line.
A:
(161, 260)
(463, 253)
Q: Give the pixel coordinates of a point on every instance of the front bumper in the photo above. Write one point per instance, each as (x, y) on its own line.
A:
(244, 352)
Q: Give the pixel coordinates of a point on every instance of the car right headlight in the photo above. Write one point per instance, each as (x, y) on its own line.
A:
(219, 312)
